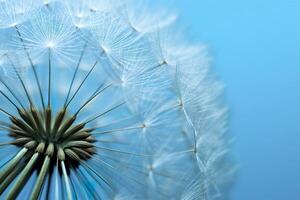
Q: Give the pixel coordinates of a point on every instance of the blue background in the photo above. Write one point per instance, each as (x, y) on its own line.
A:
(256, 49)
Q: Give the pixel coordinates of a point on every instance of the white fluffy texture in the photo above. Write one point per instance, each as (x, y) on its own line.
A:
(168, 141)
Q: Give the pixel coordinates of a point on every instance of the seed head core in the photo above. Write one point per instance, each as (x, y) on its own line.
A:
(57, 137)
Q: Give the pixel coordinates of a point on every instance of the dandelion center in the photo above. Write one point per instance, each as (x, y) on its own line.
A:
(57, 137)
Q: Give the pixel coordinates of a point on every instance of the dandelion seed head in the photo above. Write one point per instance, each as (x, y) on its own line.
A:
(104, 100)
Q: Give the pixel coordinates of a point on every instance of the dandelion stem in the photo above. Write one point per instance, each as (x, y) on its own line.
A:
(9, 100)
(48, 186)
(82, 82)
(23, 126)
(93, 96)
(158, 65)
(91, 171)
(58, 121)
(38, 120)
(56, 181)
(65, 126)
(75, 73)
(48, 121)
(12, 163)
(49, 78)
(12, 93)
(67, 181)
(40, 180)
(105, 112)
(189, 120)
(74, 188)
(22, 177)
(127, 176)
(27, 117)
(123, 152)
(119, 130)
(32, 66)
(24, 87)
(5, 143)
(11, 176)
(5, 112)
(88, 188)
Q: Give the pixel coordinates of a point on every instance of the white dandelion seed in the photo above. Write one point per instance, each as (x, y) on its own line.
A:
(141, 18)
(14, 12)
(49, 33)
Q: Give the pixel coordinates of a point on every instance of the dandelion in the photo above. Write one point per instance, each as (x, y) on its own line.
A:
(99, 102)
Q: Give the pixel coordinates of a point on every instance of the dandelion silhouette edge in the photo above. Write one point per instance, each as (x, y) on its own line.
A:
(100, 100)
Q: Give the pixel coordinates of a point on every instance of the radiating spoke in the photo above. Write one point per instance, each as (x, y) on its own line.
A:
(120, 130)
(32, 66)
(22, 82)
(67, 181)
(14, 191)
(81, 84)
(12, 93)
(11, 164)
(49, 77)
(93, 96)
(11, 176)
(123, 152)
(75, 73)
(105, 112)
(40, 180)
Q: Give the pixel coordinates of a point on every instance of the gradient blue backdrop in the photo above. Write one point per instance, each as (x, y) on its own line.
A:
(256, 50)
